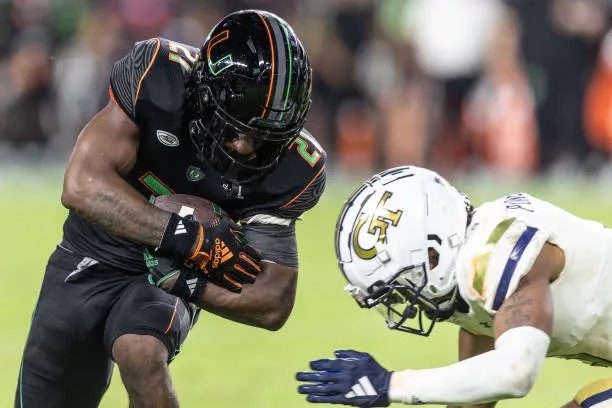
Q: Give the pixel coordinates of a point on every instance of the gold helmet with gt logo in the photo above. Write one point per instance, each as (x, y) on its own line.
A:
(397, 239)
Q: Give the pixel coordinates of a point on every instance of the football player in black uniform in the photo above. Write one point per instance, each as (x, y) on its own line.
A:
(224, 122)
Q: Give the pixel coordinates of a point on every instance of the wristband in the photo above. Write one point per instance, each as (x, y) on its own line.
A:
(180, 236)
(188, 286)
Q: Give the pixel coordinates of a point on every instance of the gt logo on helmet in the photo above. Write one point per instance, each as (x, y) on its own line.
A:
(379, 222)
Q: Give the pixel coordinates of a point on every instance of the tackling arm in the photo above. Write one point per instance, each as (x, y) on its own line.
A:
(471, 345)
(93, 185)
(522, 328)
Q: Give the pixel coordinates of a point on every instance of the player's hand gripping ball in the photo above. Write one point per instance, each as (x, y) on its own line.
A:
(222, 254)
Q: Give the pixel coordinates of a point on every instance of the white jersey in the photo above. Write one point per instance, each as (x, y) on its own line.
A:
(502, 242)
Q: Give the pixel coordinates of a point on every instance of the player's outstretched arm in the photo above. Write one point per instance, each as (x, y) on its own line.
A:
(93, 185)
(522, 328)
(471, 345)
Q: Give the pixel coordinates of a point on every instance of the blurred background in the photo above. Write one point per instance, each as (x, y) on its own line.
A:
(494, 94)
(511, 88)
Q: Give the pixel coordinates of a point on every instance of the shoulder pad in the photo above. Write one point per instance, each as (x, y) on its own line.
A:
(128, 73)
(300, 175)
(499, 250)
(155, 71)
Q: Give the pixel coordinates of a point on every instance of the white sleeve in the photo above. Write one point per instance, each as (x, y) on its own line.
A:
(508, 371)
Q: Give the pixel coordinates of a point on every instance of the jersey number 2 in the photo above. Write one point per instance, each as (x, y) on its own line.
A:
(181, 55)
(302, 148)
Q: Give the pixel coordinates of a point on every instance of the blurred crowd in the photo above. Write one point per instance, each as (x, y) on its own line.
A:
(509, 87)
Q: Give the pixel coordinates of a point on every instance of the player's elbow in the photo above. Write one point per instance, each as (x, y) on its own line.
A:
(280, 308)
(75, 191)
(268, 320)
(519, 354)
(275, 319)
(281, 298)
(272, 323)
(518, 380)
(70, 196)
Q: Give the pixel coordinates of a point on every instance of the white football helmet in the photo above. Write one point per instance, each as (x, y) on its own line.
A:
(397, 239)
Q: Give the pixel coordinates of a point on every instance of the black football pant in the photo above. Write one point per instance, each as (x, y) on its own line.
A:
(67, 358)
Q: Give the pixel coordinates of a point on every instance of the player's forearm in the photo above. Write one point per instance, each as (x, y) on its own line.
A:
(267, 303)
(105, 152)
(509, 371)
(111, 203)
(471, 345)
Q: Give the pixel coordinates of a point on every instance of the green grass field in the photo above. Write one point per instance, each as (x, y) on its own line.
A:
(224, 364)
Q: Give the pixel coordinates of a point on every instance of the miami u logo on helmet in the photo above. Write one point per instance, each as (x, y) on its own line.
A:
(224, 62)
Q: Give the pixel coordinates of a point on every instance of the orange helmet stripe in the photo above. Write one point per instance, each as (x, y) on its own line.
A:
(273, 65)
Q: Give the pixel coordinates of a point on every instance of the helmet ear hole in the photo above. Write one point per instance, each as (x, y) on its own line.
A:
(376, 287)
(434, 257)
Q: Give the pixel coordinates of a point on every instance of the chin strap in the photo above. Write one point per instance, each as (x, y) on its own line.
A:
(192, 92)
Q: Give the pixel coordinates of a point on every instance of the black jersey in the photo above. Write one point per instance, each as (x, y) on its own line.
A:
(149, 85)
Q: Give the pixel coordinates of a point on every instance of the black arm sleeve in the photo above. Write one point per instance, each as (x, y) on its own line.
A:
(277, 243)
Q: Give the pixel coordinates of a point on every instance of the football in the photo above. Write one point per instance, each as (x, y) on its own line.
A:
(202, 210)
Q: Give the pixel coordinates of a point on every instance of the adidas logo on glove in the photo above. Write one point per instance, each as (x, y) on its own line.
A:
(180, 228)
(191, 284)
(363, 388)
(222, 253)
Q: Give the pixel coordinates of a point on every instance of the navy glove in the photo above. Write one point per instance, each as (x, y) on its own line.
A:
(353, 378)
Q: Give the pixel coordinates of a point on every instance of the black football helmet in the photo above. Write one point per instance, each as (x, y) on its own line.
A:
(253, 78)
